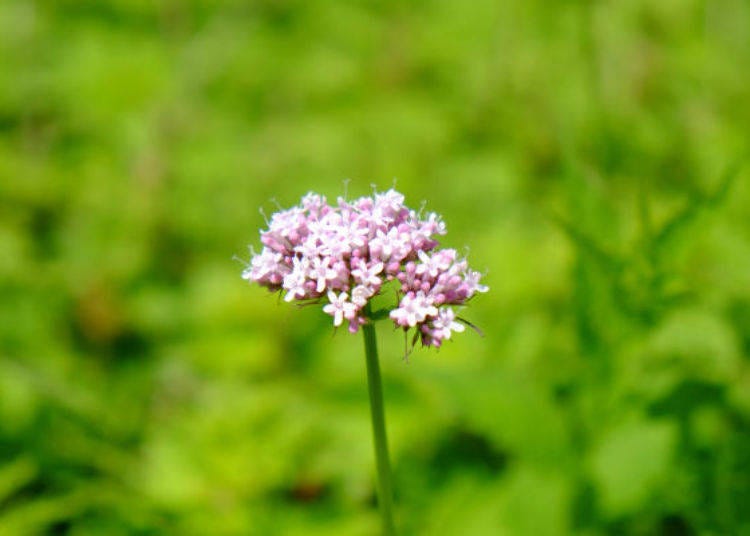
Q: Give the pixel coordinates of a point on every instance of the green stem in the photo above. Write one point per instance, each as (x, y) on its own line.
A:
(375, 387)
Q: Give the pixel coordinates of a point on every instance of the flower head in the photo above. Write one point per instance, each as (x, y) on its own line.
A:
(346, 252)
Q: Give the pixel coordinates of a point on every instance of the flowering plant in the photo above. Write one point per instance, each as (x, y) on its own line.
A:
(345, 253)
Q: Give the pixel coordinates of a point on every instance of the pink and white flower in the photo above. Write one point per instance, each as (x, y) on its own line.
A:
(321, 272)
(445, 324)
(339, 308)
(368, 274)
(414, 309)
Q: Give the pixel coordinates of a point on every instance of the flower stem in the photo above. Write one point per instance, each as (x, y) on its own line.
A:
(377, 412)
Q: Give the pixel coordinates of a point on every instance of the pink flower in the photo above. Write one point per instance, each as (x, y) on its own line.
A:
(413, 309)
(445, 324)
(339, 308)
(471, 280)
(321, 272)
(360, 295)
(294, 281)
(391, 201)
(264, 264)
(435, 264)
(368, 275)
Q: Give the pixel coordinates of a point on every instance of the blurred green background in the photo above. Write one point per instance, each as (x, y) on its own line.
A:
(584, 150)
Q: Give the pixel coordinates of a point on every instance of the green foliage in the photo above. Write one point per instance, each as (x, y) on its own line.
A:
(590, 153)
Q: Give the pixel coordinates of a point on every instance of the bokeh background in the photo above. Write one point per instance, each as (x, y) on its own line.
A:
(589, 153)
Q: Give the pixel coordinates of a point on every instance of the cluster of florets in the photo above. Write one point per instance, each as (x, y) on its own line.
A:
(345, 253)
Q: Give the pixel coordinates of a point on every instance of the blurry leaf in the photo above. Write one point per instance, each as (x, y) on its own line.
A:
(529, 503)
(15, 475)
(37, 515)
(467, 507)
(536, 503)
(631, 464)
(171, 478)
(589, 245)
(740, 393)
(18, 399)
(694, 343)
(503, 409)
(680, 223)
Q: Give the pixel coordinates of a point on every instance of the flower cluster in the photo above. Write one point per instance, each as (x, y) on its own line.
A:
(345, 253)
